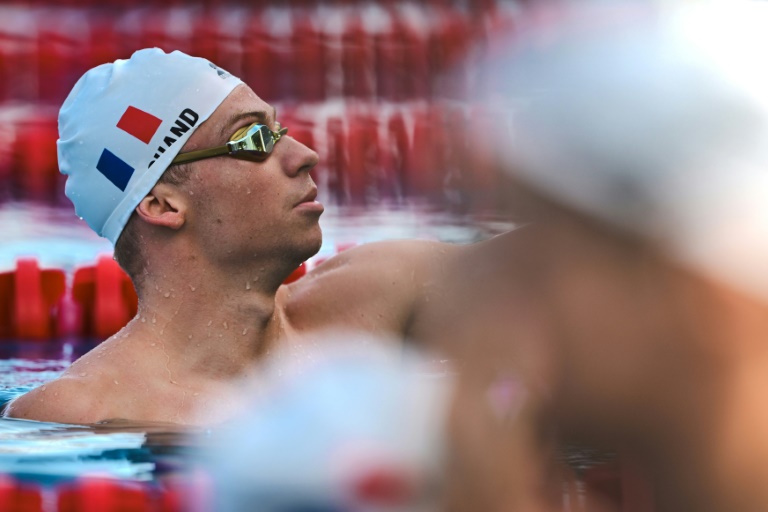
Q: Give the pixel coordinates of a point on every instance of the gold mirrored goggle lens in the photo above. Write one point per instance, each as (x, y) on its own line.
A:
(255, 139)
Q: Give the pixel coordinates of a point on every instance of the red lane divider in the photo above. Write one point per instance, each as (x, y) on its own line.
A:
(424, 162)
(36, 304)
(335, 160)
(103, 40)
(36, 171)
(106, 296)
(357, 61)
(17, 497)
(362, 156)
(402, 58)
(300, 272)
(309, 60)
(367, 152)
(260, 53)
(102, 495)
(28, 296)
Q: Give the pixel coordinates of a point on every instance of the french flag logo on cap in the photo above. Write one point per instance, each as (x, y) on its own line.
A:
(139, 124)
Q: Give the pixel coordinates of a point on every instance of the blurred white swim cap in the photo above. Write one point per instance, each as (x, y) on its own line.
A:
(657, 124)
(124, 122)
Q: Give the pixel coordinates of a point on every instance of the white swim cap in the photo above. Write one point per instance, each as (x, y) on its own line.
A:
(658, 126)
(124, 122)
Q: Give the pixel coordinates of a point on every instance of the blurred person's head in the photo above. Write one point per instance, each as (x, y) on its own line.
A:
(656, 125)
(340, 421)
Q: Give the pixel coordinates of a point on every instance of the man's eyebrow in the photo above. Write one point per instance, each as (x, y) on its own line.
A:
(259, 116)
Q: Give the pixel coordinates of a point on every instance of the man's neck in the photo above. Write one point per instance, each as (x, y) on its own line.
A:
(210, 322)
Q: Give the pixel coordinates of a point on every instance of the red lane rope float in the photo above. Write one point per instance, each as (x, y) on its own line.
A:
(16, 497)
(36, 173)
(102, 495)
(107, 297)
(296, 274)
(28, 296)
(36, 305)
(362, 156)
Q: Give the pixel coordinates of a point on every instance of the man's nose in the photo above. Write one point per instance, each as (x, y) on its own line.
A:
(296, 157)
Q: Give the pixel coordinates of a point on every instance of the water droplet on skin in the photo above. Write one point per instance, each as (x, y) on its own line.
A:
(117, 382)
(83, 374)
(191, 287)
(247, 286)
(154, 320)
(247, 191)
(43, 388)
(167, 294)
(191, 193)
(210, 322)
(256, 278)
(143, 320)
(153, 344)
(189, 337)
(245, 331)
(226, 326)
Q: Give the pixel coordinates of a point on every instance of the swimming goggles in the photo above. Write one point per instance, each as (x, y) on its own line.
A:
(253, 140)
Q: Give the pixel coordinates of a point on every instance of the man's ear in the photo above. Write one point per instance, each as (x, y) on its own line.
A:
(163, 206)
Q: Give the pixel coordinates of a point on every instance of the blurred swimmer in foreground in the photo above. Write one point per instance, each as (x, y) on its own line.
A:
(640, 153)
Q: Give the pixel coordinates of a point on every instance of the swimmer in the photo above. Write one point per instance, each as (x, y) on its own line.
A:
(209, 203)
(641, 159)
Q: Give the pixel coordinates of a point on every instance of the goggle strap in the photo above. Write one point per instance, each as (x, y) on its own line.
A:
(200, 154)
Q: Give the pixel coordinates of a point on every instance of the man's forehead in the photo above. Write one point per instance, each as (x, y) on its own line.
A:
(241, 104)
(261, 115)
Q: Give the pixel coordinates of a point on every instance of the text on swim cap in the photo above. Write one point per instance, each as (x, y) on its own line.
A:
(187, 119)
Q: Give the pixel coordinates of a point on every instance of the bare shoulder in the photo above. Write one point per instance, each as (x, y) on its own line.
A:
(67, 399)
(372, 286)
(404, 264)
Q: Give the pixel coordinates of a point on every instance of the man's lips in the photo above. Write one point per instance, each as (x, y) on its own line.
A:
(309, 197)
